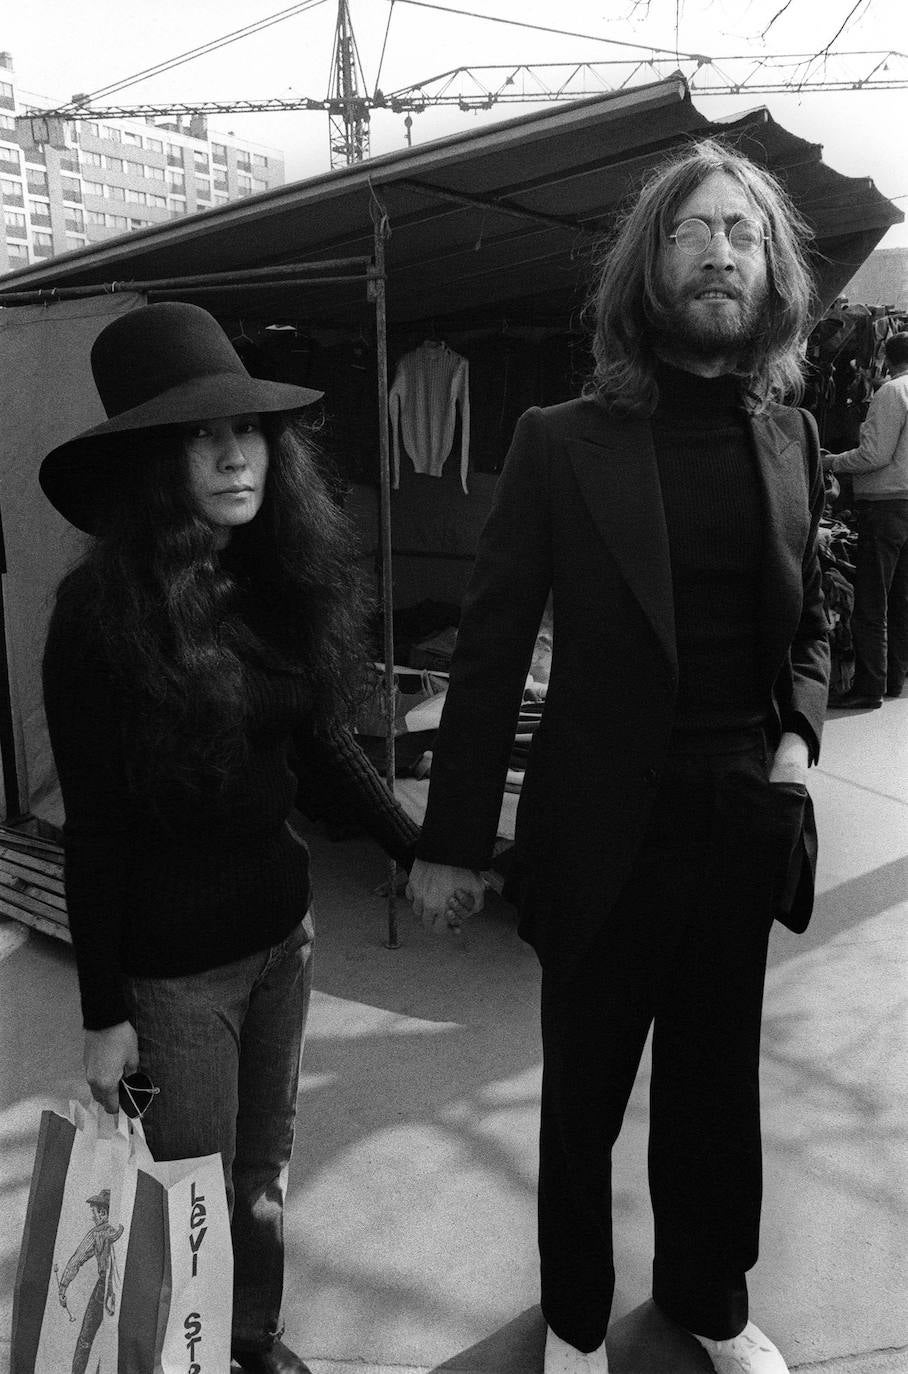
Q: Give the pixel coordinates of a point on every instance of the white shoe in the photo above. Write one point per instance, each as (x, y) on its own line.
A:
(561, 1358)
(750, 1352)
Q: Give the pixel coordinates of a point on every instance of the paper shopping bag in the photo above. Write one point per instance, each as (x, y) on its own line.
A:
(125, 1265)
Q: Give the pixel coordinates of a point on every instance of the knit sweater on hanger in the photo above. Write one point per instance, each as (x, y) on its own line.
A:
(430, 382)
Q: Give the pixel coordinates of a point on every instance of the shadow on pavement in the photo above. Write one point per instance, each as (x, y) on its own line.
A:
(642, 1342)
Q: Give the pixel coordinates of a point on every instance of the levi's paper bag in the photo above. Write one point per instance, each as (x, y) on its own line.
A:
(126, 1265)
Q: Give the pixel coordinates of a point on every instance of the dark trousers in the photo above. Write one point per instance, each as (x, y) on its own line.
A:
(879, 622)
(684, 950)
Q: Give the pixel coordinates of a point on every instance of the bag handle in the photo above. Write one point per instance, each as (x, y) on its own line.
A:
(106, 1125)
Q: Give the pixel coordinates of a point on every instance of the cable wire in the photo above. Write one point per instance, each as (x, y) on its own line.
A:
(199, 51)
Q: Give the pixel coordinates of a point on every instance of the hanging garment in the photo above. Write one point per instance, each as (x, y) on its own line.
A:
(429, 383)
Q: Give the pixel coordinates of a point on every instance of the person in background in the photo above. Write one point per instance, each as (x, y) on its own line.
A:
(879, 471)
(201, 660)
(664, 821)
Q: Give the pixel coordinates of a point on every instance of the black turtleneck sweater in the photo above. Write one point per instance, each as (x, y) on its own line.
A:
(714, 514)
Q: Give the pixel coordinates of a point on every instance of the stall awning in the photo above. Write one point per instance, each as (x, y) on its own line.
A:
(492, 223)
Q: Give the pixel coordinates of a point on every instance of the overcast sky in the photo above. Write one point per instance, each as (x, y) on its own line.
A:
(59, 48)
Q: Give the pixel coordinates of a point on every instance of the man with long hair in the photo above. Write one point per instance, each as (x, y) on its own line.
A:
(664, 821)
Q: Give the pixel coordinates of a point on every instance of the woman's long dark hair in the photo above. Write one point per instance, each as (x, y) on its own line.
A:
(627, 299)
(166, 610)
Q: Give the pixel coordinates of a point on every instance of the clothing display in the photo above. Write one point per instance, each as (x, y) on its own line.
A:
(430, 382)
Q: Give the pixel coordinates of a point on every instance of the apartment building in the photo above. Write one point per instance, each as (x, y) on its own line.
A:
(100, 178)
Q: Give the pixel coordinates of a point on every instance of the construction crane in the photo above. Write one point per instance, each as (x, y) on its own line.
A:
(474, 88)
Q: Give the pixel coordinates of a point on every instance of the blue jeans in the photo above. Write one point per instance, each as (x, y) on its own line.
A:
(224, 1047)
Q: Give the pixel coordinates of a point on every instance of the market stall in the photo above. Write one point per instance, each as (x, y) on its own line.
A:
(479, 244)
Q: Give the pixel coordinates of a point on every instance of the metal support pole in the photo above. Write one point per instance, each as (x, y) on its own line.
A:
(377, 290)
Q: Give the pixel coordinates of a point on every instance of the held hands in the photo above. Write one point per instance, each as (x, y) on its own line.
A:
(444, 896)
(108, 1056)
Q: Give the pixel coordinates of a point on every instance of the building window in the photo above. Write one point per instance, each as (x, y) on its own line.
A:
(69, 162)
(259, 185)
(135, 197)
(160, 202)
(92, 160)
(154, 145)
(177, 205)
(94, 217)
(134, 139)
(174, 155)
(200, 159)
(220, 181)
(259, 160)
(15, 223)
(6, 96)
(244, 162)
(113, 134)
(73, 241)
(155, 173)
(42, 240)
(72, 190)
(138, 223)
(115, 164)
(17, 254)
(75, 220)
(219, 153)
(5, 88)
(116, 221)
(7, 121)
(94, 188)
(37, 180)
(220, 199)
(176, 180)
(11, 191)
(203, 188)
(39, 212)
(115, 192)
(43, 249)
(9, 159)
(245, 183)
(90, 127)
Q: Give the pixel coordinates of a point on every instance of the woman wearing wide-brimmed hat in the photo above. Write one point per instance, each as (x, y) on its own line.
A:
(200, 662)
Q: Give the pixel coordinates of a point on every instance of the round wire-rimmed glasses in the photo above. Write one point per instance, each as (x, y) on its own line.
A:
(136, 1094)
(694, 236)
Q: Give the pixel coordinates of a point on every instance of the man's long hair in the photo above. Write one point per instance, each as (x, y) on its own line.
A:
(166, 610)
(628, 295)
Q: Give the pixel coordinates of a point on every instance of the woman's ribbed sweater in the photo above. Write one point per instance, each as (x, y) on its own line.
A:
(213, 877)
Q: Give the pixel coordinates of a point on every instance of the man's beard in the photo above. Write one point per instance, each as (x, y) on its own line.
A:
(720, 333)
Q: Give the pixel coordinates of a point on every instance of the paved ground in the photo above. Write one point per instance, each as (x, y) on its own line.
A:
(411, 1241)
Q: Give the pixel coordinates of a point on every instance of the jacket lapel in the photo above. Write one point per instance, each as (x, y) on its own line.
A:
(619, 481)
(615, 467)
(780, 467)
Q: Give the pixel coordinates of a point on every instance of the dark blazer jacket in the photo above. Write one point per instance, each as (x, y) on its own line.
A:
(578, 511)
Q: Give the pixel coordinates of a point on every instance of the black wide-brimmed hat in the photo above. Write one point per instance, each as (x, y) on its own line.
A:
(158, 365)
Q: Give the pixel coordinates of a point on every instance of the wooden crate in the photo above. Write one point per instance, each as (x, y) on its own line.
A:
(31, 882)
